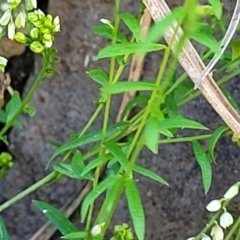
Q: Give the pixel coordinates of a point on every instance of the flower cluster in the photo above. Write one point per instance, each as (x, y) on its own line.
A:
(5, 163)
(41, 28)
(226, 219)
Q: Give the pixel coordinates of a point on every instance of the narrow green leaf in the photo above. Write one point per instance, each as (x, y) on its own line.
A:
(140, 99)
(66, 169)
(3, 231)
(121, 87)
(96, 192)
(206, 39)
(98, 76)
(217, 8)
(165, 132)
(13, 105)
(159, 28)
(172, 107)
(180, 123)
(214, 139)
(150, 174)
(96, 162)
(118, 153)
(31, 111)
(121, 49)
(112, 131)
(132, 24)
(230, 98)
(135, 208)
(107, 32)
(205, 165)
(55, 217)
(151, 134)
(77, 163)
(76, 235)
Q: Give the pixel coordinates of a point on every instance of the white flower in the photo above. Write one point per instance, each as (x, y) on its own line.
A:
(31, 4)
(206, 237)
(107, 22)
(217, 233)
(231, 192)
(21, 19)
(3, 63)
(11, 30)
(4, 20)
(96, 230)
(4, 7)
(214, 206)
(226, 220)
(191, 238)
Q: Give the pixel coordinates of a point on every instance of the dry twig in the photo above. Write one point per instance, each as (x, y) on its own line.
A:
(193, 65)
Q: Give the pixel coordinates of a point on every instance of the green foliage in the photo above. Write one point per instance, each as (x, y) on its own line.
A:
(118, 146)
(204, 164)
(56, 217)
(3, 231)
(135, 208)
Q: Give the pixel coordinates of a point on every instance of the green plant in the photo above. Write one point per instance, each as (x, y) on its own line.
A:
(118, 146)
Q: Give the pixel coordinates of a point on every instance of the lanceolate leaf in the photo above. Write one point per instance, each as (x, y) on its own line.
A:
(96, 192)
(118, 153)
(112, 131)
(96, 162)
(214, 139)
(180, 123)
(204, 164)
(159, 28)
(172, 108)
(107, 32)
(217, 7)
(76, 235)
(56, 217)
(121, 49)
(13, 105)
(230, 98)
(135, 208)
(98, 76)
(121, 87)
(3, 231)
(151, 134)
(132, 24)
(150, 174)
(66, 169)
(140, 99)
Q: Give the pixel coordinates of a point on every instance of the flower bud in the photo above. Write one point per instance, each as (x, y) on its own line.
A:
(214, 206)
(34, 33)
(20, 37)
(3, 63)
(231, 192)
(217, 233)
(14, 3)
(37, 47)
(226, 220)
(205, 237)
(96, 230)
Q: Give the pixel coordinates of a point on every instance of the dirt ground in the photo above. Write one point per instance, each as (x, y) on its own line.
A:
(65, 102)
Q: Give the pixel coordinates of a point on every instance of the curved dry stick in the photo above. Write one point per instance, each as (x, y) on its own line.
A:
(193, 65)
(226, 40)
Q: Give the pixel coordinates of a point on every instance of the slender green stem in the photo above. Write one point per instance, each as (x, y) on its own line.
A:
(184, 139)
(233, 229)
(212, 221)
(27, 99)
(27, 191)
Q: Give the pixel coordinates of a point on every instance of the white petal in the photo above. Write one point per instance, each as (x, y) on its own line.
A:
(11, 30)
(96, 230)
(231, 192)
(214, 206)
(217, 233)
(226, 220)
(206, 237)
(4, 20)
